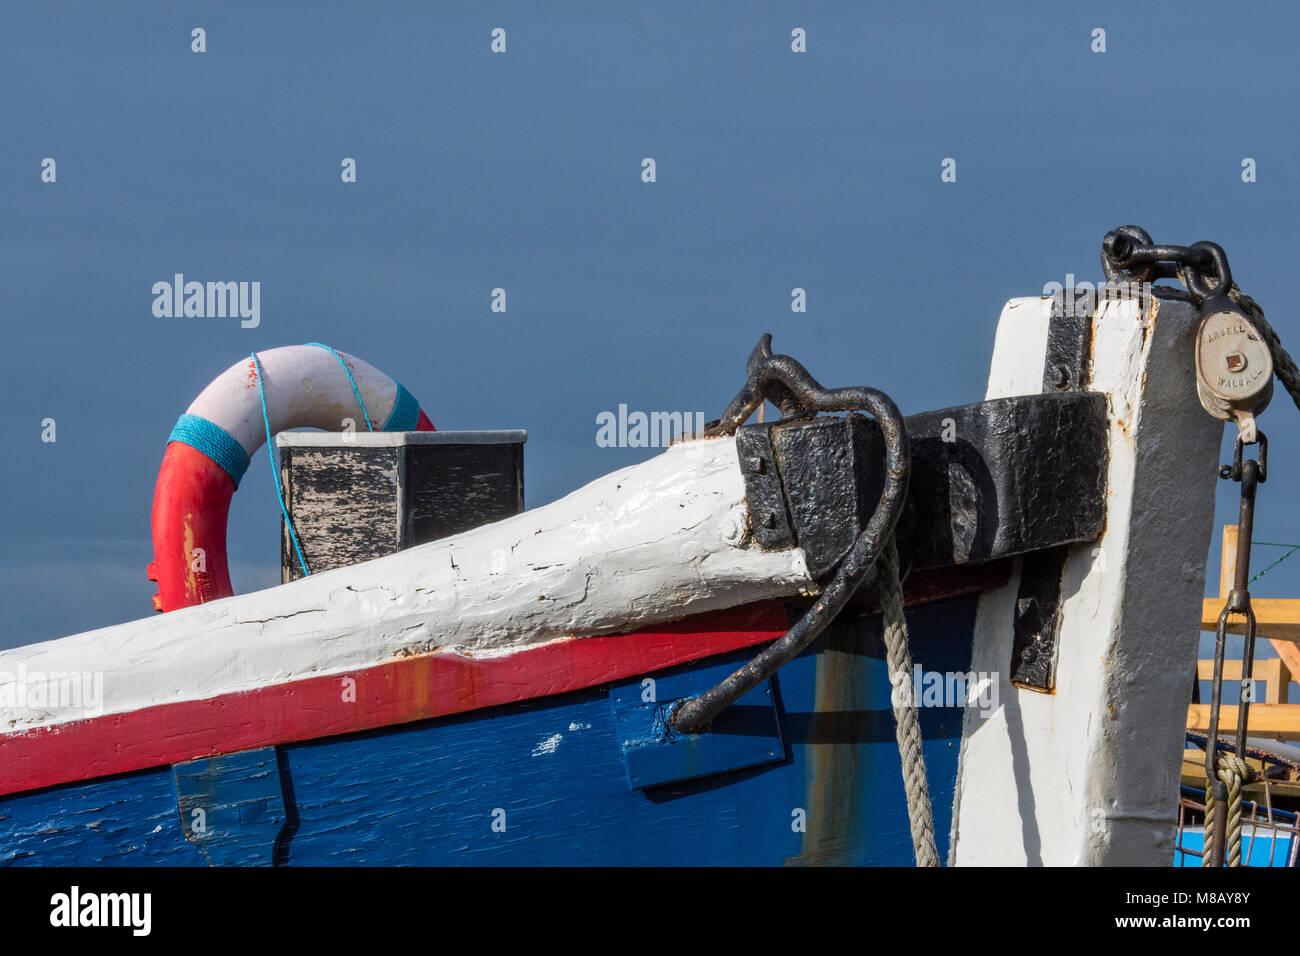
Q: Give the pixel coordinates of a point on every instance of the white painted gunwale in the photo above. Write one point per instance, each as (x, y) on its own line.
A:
(648, 544)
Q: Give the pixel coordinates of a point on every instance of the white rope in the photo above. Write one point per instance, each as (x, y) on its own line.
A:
(899, 659)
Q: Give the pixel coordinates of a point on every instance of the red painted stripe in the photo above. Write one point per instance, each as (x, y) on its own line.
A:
(398, 692)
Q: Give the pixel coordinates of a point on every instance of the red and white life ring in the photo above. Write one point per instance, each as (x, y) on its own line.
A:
(305, 386)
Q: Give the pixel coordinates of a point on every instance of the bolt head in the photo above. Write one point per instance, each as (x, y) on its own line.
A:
(1235, 361)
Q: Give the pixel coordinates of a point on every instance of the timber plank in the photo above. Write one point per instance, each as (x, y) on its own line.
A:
(1279, 721)
(1275, 618)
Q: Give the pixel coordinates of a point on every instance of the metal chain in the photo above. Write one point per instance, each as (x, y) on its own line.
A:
(1128, 255)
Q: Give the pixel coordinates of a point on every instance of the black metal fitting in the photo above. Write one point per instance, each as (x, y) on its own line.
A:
(783, 380)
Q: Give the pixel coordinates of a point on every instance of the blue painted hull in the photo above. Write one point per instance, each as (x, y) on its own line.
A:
(498, 787)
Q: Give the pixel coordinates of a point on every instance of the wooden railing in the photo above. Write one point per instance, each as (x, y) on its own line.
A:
(1278, 621)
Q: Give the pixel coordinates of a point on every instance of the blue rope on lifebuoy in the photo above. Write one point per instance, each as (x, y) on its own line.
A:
(405, 414)
(352, 381)
(406, 410)
(214, 441)
(275, 471)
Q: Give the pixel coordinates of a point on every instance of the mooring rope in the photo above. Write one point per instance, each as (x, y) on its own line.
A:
(907, 722)
(1234, 772)
(1283, 364)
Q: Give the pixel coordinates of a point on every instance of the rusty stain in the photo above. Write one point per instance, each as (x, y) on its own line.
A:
(834, 792)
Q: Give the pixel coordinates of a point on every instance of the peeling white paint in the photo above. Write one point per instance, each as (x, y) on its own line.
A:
(548, 745)
(644, 545)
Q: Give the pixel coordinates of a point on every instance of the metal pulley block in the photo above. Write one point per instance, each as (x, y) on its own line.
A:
(1234, 366)
(1234, 369)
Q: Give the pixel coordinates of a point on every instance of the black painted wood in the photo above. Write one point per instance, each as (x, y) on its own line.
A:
(989, 480)
(453, 488)
(352, 501)
(1037, 620)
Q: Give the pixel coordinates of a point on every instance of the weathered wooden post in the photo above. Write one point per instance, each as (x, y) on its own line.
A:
(1089, 772)
(356, 497)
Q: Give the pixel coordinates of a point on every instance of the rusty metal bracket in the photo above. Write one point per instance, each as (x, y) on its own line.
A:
(1037, 620)
(823, 483)
(988, 481)
(767, 508)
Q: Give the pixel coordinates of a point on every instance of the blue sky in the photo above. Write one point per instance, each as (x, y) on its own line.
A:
(522, 171)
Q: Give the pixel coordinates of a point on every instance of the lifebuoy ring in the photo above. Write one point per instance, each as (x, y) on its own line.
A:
(303, 386)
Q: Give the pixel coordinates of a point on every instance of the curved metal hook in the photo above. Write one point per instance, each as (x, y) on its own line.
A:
(782, 377)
